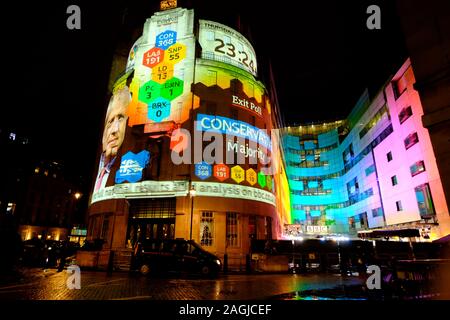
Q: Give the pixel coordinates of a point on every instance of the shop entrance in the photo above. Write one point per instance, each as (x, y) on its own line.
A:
(151, 219)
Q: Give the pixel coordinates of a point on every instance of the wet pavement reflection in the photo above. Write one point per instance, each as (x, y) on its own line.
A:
(123, 286)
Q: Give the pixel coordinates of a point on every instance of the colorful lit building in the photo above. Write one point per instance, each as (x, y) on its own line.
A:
(374, 170)
(188, 149)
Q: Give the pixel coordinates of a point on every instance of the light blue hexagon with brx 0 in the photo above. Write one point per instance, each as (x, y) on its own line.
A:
(149, 91)
(203, 170)
(131, 166)
(172, 88)
(166, 39)
(158, 109)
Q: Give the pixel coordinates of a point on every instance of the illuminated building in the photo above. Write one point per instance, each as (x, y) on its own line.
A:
(185, 80)
(374, 170)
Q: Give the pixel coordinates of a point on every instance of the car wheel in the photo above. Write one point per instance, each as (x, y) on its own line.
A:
(206, 270)
(144, 269)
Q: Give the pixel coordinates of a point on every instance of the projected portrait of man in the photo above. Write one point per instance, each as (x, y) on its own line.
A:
(113, 134)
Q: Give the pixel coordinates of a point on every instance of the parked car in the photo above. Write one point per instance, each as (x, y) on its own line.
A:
(157, 256)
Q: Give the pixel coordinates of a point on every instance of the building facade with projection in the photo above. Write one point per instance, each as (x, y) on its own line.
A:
(374, 170)
(189, 147)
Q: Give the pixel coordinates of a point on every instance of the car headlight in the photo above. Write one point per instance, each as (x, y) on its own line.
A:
(218, 262)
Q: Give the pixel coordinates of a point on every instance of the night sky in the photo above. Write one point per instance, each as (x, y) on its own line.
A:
(322, 54)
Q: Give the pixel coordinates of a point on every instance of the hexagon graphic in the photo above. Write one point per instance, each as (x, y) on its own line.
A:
(162, 72)
(172, 88)
(269, 181)
(175, 53)
(221, 172)
(153, 57)
(262, 179)
(203, 170)
(149, 91)
(165, 39)
(158, 109)
(251, 176)
(237, 174)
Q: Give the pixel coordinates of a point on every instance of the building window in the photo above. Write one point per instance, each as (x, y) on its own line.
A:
(405, 114)
(389, 156)
(105, 228)
(399, 86)
(211, 108)
(394, 180)
(424, 200)
(417, 168)
(232, 229)
(268, 228)
(411, 140)
(370, 170)
(252, 227)
(399, 205)
(234, 114)
(378, 212)
(207, 229)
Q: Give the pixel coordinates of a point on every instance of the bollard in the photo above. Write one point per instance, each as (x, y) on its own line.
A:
(225, 263)
(110, 263)
(248, 266)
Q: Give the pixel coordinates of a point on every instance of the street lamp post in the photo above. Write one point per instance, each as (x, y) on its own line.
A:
(192, 195)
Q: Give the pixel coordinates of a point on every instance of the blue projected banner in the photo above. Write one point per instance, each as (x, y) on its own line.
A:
(233, 127)
(131, 166)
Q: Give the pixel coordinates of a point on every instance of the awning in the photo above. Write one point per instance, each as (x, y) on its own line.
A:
(402, 233)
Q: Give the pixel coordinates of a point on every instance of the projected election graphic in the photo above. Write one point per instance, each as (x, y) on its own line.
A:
(221, 43)
(163, 64)
(131, 166)
(233, 127)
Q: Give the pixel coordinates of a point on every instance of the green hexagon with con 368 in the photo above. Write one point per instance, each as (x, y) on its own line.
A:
(172, 88)
(149, 91)
(158, 109)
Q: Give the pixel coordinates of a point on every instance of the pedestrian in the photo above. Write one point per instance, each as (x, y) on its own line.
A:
(62, 256)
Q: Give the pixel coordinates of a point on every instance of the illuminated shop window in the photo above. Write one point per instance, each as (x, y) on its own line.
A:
(417, 168)
(12, 136)
(394, 180)
(377, 212)
(207, 229)
(404, 114)
(398, 204)
(36, 170)
(411, 140)
(424, 200)
(232, 229)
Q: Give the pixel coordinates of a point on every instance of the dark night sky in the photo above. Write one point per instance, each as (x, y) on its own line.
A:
(323, 57)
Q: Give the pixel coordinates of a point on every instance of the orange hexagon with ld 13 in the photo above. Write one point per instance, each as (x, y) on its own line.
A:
(153, 57)
(251, 176)
(162, 73)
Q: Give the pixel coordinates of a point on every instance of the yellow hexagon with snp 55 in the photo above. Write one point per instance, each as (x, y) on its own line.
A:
(237, 174)
(175, 53)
